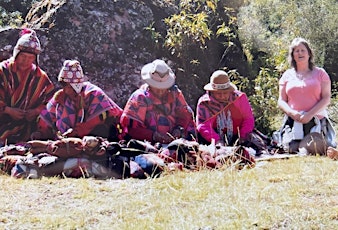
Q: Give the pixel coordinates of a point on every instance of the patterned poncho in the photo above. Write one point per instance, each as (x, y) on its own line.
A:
(62, 114)
(224, 122)
(147, 113)
(31, 91)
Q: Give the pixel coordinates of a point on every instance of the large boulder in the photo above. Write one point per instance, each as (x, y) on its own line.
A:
(112, 40)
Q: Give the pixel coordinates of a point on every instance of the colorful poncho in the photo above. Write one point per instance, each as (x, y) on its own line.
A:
(24, 92)
(62, 114)
(146, 113)
(224, 122)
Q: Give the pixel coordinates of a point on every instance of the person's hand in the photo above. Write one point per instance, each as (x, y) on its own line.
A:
(36, 135)
(15, 113)
(69, 133)
(305, 118)
(220, 143)
(178, 132)
(161, 138)
(295, 115)
(31, 114)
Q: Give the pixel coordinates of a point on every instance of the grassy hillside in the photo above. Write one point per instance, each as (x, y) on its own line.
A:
(299, 193)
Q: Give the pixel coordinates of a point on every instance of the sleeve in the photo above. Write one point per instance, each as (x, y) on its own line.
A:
(134, 115)
(137, 131)
(205, 124)
(248, 123)
(4, 92)
(324, 76)
(83, 129)
(47, 87)
(283, 80)
(184, 115)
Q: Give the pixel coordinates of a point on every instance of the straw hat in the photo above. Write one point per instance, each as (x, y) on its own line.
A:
(158, 74)
(219, 80)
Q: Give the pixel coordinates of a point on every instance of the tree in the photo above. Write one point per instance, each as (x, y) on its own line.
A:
(268, 26)
(13, 12)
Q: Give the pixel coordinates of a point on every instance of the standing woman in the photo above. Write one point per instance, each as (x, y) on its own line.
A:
(304, 95)
(24, 90)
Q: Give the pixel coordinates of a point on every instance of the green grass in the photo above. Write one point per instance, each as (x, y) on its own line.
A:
(299, 193)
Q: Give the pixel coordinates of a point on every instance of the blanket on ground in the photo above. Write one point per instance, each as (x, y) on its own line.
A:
(98, 158)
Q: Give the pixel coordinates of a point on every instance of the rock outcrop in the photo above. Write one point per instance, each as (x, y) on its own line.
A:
(111, 39)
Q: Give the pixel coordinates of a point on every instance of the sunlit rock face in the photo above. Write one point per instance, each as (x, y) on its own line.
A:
(112, 40)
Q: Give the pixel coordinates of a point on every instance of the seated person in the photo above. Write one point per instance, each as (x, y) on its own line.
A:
(79, 109)
(158, 112)
(224, 114)
(304, 96)
(24, 90)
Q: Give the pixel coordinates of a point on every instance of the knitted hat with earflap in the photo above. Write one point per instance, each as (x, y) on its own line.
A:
(72, 73)
(29, 43)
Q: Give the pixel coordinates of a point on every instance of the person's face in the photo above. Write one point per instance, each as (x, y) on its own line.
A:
(158, 92)
(301, 54)
(25, 60)
(69, 91)
(221, 95)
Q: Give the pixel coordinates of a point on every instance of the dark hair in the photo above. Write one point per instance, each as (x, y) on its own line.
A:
(297, 42)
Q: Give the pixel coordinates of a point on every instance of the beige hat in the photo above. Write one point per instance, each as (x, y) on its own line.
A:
(72, 73)
(28, 42)
(158, 75)
(219, 80)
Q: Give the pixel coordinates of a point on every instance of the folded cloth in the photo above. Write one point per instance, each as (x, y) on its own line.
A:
(297, 131)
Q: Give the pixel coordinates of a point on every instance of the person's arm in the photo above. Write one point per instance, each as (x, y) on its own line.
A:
(15, 113)
(321, 105)
(44, 131)
(284, 106)
(137, 131)
(205, 124)
(248, 123)
(207, 131)
(184, 118)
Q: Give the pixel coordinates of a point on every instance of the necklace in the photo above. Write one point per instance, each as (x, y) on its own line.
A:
(302, 75)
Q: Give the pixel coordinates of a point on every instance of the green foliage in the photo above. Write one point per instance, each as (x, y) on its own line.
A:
(266, 28)
(13, 12)
(155, 36)
(13, 19)
(196, 23)
(242, 83)
(264, 100)
(189, 26)
(269, 26)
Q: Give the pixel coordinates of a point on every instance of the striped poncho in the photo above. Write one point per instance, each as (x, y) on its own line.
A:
(29, 91)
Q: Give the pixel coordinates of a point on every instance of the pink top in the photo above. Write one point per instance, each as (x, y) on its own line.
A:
(208, 109)
(303, 94)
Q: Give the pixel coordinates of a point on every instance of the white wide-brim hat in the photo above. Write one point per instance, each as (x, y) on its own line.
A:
(158, 74)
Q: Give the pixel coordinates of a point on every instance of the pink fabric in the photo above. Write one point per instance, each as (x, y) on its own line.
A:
(303, 94)
(208, 108)
(61, 113)
(146, 114)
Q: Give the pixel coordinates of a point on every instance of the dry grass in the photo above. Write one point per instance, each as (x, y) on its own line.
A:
(299, 193)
